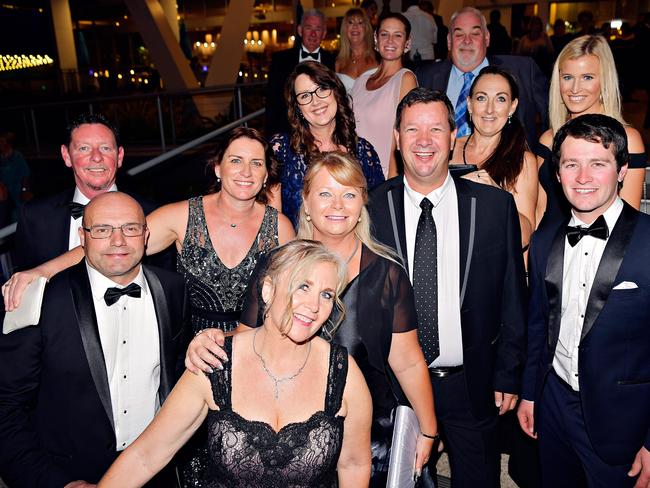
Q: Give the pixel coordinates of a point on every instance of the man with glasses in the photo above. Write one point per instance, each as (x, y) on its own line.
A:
(82, 385)
(312, 31)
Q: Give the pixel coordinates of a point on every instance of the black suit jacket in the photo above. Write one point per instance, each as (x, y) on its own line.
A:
(492, 282)
(614, 351)
(533, 88)
(282, 65)
(43, 231)
(56, 421)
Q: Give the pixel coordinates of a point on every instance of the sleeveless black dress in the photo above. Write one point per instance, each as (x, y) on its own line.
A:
(250, 454)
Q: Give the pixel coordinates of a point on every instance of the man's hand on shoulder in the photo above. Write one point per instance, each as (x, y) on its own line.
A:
(641, 468)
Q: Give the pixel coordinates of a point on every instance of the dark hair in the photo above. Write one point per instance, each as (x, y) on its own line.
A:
(495, 15)
(396, 16)
(506, 162)
(597, 128)
(425, 95)
(271, 164)
(88, 118)
(345, 132)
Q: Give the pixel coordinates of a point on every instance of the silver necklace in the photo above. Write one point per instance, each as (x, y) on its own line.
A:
(356, 248)
(275, 379)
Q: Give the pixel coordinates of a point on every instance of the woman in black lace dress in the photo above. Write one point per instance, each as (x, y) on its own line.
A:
(288, 410)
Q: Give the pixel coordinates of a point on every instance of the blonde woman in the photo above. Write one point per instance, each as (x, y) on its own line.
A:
(289, 409)
(585, 80)
(356, 56)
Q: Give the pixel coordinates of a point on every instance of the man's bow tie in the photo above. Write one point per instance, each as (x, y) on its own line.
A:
(76, 209)
(306, 54)
(598, 230)
(113, 294)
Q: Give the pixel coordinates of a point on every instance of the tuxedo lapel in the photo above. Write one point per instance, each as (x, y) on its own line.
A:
(466, 232)
(60, 233)
(83, 304)
(553, 280)
(164, 332)
(395, 202)
(609, 266)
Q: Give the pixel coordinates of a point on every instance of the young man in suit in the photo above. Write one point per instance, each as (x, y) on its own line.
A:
(82, 385)
(48, 227)
(461, 245)
(468, 40)
(312, 31)
(586, 389)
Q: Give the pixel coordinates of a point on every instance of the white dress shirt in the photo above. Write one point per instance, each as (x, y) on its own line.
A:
(424, 32)
(73, 239)
(128, 331)
(445, 216)
(308, 58)
(580, 265)
(455, 83)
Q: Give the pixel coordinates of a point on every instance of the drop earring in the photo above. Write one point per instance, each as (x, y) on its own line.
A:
(308, 217)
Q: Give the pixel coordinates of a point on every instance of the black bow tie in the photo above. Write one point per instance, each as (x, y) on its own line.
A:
(113, 294)
(76, 209)
(306, 54)
(598, 230)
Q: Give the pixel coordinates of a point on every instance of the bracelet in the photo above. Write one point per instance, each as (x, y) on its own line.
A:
(432, 437)
(202, 331)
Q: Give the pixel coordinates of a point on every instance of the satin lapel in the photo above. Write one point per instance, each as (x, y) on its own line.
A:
(63, 212)
(466, 232)
(395, 198)
(83, 304)
(609, 266)
(164, 332)
(553, 280)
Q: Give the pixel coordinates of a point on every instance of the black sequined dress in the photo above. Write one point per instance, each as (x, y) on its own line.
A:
(251, 454)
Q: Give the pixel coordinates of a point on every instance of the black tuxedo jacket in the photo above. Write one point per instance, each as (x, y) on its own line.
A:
(614, 351)
(282, 65)
(533, 88)
(56, 420)
(43, 231)
(492, 282)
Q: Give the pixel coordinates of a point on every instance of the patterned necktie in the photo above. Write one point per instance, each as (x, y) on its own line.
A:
(425, 282)
(113, 294)
(461, 106)
(598, 229)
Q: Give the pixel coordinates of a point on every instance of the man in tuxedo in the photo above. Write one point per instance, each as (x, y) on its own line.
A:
(461, 245)
(468, 40)
(312, 31)
(82, 385)
(49, 226)
(586, 390)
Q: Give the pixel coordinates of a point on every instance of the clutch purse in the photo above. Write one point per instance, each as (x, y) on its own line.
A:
(402, 454)
(29, 312)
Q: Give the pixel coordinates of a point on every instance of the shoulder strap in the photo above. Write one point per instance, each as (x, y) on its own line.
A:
(336, 377)
(221, 380)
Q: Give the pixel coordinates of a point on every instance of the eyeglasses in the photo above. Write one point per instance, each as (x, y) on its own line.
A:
(305, 98)
(105, 231)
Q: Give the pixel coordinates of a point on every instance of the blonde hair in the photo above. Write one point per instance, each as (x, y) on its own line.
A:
(610, 95)
(297, 258)
(346, 170)
(345, 53)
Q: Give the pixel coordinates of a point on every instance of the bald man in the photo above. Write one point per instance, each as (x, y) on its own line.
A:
(82, 385)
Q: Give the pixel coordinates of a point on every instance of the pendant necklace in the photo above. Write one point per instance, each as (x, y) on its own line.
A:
(356, 248)
(277, 380)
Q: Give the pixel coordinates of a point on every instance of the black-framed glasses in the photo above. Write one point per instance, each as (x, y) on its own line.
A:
(305, 98)
(103, 231)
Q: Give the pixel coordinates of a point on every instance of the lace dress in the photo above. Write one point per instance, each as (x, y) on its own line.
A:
(250, 454)
(216, 292)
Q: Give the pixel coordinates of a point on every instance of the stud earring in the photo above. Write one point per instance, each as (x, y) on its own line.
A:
(218, 180)
(359, 220)
(509, 118)
(308, 217)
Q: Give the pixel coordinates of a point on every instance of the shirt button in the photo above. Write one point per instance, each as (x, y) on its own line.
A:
(123, 342)
(584, 284)
(586, 254)
(124, 376)
(124, 412)
(582, 316)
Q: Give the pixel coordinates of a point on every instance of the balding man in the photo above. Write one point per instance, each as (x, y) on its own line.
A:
(468, 40)
(82, 385)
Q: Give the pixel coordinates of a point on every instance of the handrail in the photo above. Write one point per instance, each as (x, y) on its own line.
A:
(192, 144)
(192, 92)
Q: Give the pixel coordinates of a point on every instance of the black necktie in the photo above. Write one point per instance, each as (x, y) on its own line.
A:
(76, 209)
(113, 294)
(425, 282)
(598, 230)
(306, 54)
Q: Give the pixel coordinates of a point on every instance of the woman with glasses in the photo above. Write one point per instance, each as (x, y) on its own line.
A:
(321, 120)
(377, 94)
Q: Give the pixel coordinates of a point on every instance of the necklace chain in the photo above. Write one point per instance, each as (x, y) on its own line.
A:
(275, 379)
(356, 248)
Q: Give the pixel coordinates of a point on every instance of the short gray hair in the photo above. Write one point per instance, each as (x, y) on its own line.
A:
(469, 10)
(313, 12)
